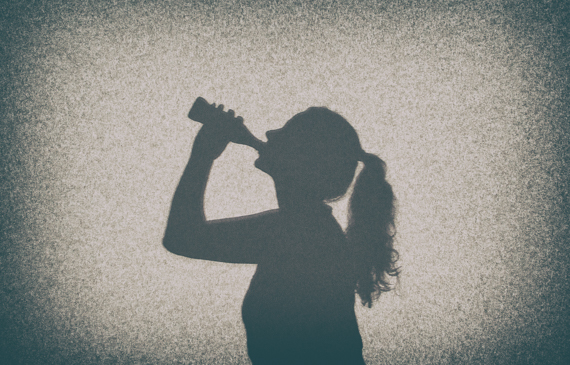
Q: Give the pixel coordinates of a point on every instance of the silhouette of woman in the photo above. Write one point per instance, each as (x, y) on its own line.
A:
(299, 308)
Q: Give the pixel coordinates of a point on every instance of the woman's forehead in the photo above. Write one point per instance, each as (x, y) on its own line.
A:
(319, 125)
(291, 127)
(300, 123)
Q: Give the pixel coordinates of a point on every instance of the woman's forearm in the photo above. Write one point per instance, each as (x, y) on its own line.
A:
(187, 209)
(189, 195)
(184, 230)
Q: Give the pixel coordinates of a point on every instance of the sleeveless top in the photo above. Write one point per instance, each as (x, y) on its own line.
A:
(299, 308)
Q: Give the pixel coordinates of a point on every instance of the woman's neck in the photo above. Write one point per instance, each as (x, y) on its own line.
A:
(294, 201)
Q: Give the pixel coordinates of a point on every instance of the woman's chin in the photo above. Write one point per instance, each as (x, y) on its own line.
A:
(260, 165)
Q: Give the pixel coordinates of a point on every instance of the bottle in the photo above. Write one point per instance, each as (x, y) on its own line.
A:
(203, 112)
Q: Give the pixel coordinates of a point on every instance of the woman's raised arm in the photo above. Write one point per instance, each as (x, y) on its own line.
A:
(238, 240)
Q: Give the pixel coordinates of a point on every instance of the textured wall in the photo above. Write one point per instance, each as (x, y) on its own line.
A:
(467, 102)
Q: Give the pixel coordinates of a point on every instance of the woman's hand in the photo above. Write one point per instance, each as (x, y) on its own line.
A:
(215, 134)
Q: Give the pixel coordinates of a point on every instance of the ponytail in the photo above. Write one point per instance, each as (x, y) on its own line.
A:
(371, 230)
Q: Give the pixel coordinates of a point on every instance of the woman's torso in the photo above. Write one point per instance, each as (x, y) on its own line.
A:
(300, 303)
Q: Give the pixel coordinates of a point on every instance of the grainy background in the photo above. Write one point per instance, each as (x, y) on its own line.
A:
(466, 101)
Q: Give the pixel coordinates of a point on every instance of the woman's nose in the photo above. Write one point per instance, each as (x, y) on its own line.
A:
(270, 134)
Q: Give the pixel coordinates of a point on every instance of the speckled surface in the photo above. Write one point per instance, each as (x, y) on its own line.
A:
(467, 102)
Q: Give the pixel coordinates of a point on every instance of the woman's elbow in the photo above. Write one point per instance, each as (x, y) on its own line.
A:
(169, 243)
(173, 243)
(182, 245)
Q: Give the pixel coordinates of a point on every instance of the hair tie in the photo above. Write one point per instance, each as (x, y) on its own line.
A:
(371, 159)
(363, 156)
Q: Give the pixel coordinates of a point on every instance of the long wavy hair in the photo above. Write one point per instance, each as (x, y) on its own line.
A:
(336, 151)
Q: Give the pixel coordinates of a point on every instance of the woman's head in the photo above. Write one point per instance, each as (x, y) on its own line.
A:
(317, 151)
(314, 156)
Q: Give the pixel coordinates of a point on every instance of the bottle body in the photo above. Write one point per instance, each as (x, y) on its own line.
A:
(203, 112)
